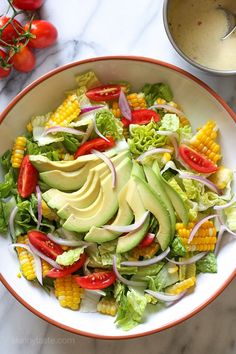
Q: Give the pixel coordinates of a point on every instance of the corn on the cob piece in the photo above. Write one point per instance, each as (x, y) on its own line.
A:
(47, 212)
(184, 121)
(116, 109)
(204, 142)
(160, 100)
(18, 151)
(181, 286)
(204, 239)
(107, 306)
(65, 113)
(145, 252)
(68, 292)
(137, 100)
(29, 127)
(46, 267)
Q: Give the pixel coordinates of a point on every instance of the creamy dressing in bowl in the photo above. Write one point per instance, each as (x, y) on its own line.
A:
(197, 27)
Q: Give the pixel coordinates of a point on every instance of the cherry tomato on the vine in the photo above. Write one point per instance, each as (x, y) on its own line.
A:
(28, 4)
(4, 70)
(11, 31)
(24, 60)
(44, 32)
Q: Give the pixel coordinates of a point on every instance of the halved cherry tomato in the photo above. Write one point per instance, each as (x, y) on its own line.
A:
(28, 4)
(141, 116)
(196, 161)
(94, 281)
(45, 34)
(97, 144)
(59, 273)
(104, 93)
(27, 179)
(5, 70)
(43, 244)
(10, 32)
(147, 240)
(24, 60)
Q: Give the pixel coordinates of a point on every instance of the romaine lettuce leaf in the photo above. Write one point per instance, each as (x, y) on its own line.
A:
(163, 279)
(87, 79)
(108, 125)
(8, 186)
(230, 214)
(207, 264)
(69, 257)
(52, 151)
(177, 247)
(170, 122)
(153, 91)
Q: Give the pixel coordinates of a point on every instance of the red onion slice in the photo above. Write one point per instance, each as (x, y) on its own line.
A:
(198, 225)
(224, 206)
(147, 262)
(169, 109)
(57, 129)
(37, 261)
(47, 259)
(165, 297)
(90, 109)
(152, 152)
(109, 163)
(99, 292)
(122, 279)
(39, 199)
(124, 106)
(85, 267)
(11, 221)
(219, 238)
(128, 228)
(189, 260)
(202, 180)
(64, 242)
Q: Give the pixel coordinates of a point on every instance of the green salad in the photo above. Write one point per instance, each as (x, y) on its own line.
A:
(113, 202)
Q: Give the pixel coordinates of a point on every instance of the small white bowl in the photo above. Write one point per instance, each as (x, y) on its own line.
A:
(200, 103)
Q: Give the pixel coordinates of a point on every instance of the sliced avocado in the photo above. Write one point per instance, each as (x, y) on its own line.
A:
(175, 198)
(137, 171)
(156, 184)
(108, 206)
(132, 239)
(156, 206)
(123, 217)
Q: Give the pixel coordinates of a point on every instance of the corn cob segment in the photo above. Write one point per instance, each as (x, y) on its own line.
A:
(184, 121)
(107, 306)
(116, 109)
(18, 151)
(145, 252)
(68, 292)
(137, 100)
(204, 142)
(181, 286)
(65, 113)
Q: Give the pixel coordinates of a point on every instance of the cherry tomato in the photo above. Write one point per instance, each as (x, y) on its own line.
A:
(196, 161)
(4, 69)
(97, 144)
(24, 60)
(147, 240)
(43, 244)
(104, 93)
(27, 179)
(9, 34)
(45, 34)
(59, 273)
(141, 116)
(94, 281)
(28, 4)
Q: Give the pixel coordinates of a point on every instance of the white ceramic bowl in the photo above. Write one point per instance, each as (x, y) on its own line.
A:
(200, 103)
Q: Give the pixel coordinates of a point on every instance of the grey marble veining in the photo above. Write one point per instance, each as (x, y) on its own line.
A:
(108, 27)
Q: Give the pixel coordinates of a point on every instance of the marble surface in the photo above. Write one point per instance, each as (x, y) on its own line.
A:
(108, 27)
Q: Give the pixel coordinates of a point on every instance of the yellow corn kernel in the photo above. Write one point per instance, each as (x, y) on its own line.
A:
(26, 260)
(173, 104)
(160, 100)
(145, 252)
(116, 109)
(29, 127)
(65, 113)
(181, 286)
(184, 121)
(68, 292)
(137, 100)
(172, 270)
(204, 142)
(47, 212)
(107, 306)
(46, 267)
(166, 157)
(18, 151)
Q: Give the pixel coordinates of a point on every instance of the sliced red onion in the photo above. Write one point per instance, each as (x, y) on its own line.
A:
(85, 267)
(37, 261)
(152, 152)
(147, 262)
(64, 242)
(124, 280)
(128, 228)
(97, 130)
(109, 163)
(202, 180)
(224, 206)
(57, 129)
(189, 260)
(11, 221)
(219, 238)
(99, 292)
(39, 199)
(198, 225)
(169, 109)
(124, 106)
(165, 297)
(229, 231)
(47, 259)
(89, 109)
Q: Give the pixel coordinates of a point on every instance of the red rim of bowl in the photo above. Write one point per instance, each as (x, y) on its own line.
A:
(132, 58)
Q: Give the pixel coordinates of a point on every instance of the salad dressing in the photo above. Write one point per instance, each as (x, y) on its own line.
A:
(197, 28)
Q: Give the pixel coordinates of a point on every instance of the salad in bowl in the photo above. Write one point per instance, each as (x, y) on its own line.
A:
(114, 203)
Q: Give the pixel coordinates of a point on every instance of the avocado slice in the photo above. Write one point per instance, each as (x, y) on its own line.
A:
(175, 198)
(156, 206)
(137, 171)
(132, 239)
(123, 217)
(108, 206)
(157, 185)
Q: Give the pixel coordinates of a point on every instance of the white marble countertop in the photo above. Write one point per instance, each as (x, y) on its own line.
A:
(109, 27)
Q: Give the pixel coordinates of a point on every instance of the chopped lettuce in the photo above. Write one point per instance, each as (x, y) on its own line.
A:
(150, 270)
(3, 220)
(119, 290)
(69, 257)
(170, 122)
(177, 247)
(163, 278)
(230, 214)
(185, 133)
(106, 252)
(71, 143)
(5, 160)
(153, 91)
(38, 124)
(108, 125)
(87, 79)
(208, 264)
(144, 137)
(8, 186)
(131, 310)
(52, 151)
